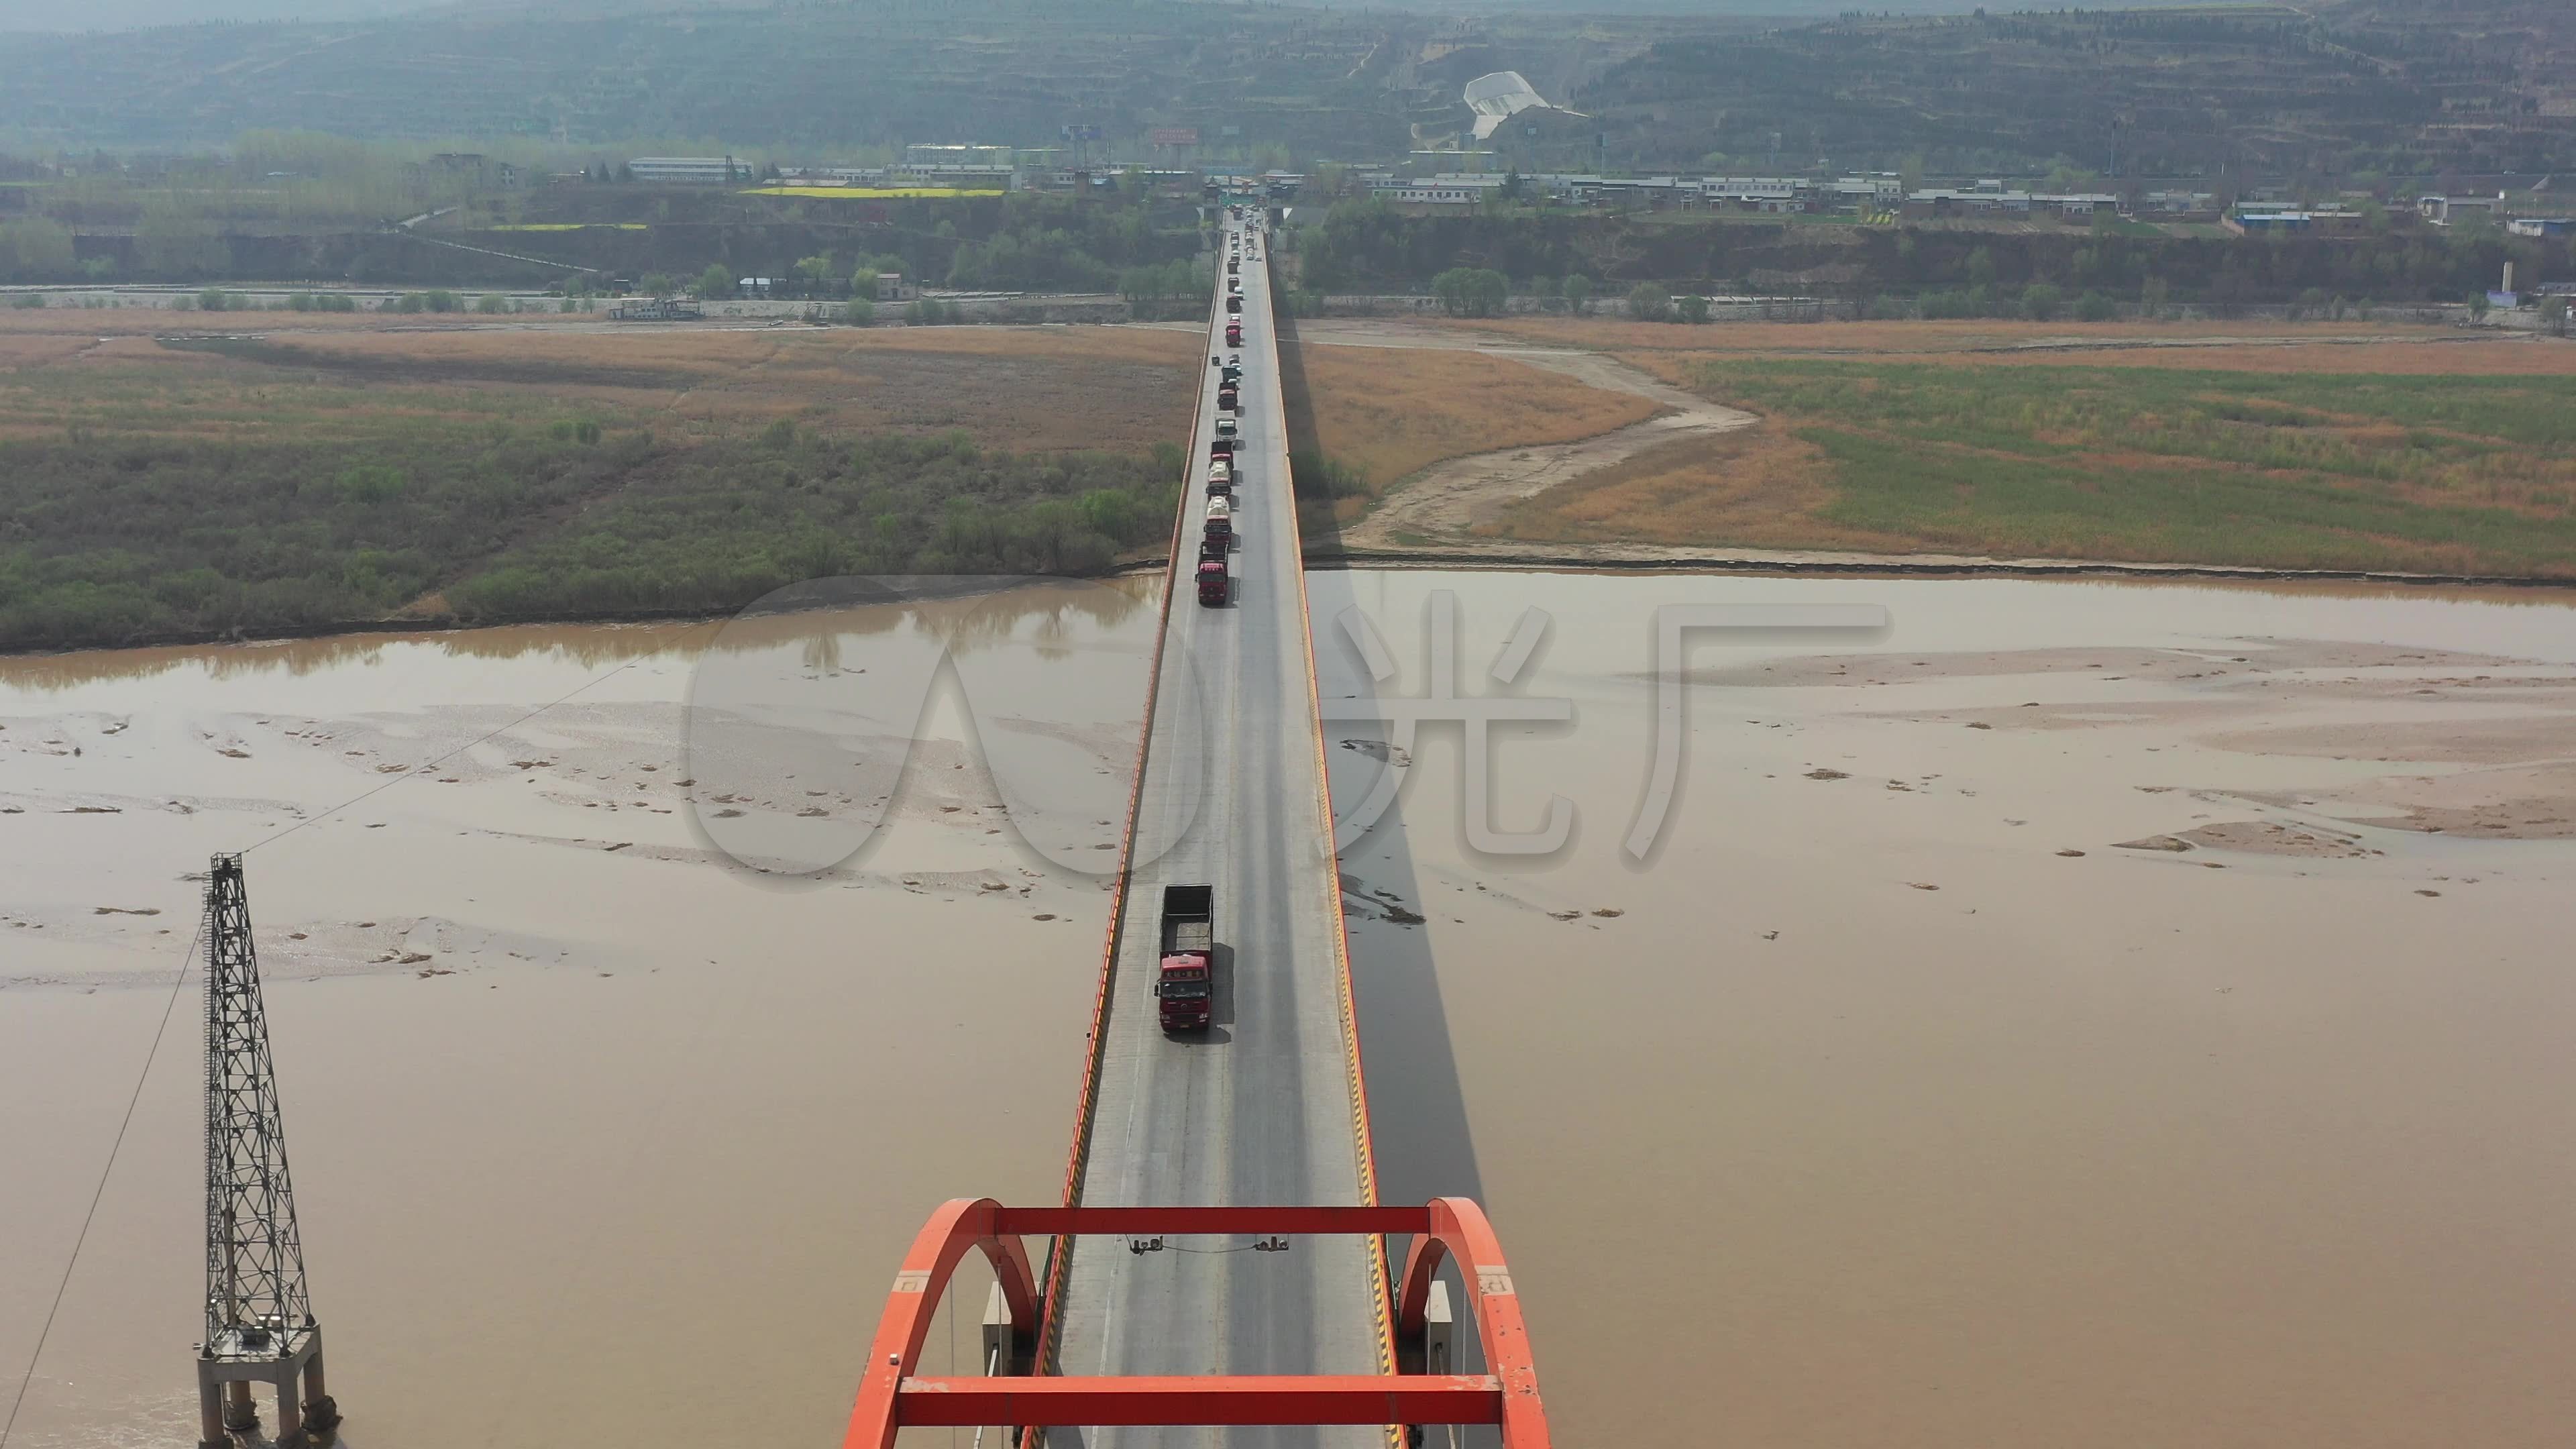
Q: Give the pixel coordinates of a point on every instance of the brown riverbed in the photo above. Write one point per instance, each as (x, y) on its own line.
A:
(2054, 1021)
(1916, 1089)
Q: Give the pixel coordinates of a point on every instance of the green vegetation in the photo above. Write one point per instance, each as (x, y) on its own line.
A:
(2459, 474)
(1036, 241)
(1472, 291)
(1313, 477)
(715, 527)
(1931, 271)
(110, 540)
(1178, 288)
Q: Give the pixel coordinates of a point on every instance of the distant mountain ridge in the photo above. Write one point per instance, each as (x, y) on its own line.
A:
(2393, 87)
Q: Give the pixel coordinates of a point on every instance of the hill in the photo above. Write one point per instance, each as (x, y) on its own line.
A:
(2394, 87)
(2406, 87)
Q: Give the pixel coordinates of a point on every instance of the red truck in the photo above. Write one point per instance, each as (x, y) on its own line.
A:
(1187, 986)
(1215, 589)
(1234, 334)
(1229, 399)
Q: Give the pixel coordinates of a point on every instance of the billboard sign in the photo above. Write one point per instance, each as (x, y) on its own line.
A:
(1173, 135)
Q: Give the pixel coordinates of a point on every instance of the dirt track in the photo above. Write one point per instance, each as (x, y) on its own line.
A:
(1442, 505)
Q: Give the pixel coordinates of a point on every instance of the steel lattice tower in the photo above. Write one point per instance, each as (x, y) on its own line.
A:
(259, 1319)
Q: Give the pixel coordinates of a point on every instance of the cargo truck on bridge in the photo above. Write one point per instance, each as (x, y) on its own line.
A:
(1187, 985)
(1216, 589)
(1220, 521)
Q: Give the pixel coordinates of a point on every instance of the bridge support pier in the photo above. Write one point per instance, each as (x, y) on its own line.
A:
(225, 1406)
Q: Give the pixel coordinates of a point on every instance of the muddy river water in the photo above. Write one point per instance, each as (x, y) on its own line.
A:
(2060, 1013)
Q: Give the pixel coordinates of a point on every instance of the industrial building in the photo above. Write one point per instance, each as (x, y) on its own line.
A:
(702, 170)
(2319, 222)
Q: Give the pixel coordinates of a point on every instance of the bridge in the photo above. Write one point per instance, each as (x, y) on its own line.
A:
(1220, 1256)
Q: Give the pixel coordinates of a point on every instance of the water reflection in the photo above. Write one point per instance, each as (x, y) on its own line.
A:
(965, 621)
(798, 747)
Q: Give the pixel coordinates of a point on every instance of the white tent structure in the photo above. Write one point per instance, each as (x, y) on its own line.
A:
(1498, 97)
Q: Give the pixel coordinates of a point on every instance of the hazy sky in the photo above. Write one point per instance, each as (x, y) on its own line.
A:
(126, 14)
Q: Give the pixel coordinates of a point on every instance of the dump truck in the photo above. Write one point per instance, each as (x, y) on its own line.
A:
(1234, 334)
(1220, 520)
(1215, 589)
(1234, 301)
(1220, 479)
(1229, 399)
(1186, 986)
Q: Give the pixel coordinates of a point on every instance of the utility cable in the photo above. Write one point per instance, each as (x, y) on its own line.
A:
(168, 1008)
(427, 765)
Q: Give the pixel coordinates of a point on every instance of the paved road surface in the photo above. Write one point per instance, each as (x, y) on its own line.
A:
(1259, 1109)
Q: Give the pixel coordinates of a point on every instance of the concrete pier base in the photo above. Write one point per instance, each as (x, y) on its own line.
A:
(225, 1406)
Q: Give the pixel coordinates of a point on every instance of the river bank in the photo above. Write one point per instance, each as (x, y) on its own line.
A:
(1996, 448)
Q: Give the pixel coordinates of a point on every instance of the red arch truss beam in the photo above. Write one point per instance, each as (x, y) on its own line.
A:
(890, 1397)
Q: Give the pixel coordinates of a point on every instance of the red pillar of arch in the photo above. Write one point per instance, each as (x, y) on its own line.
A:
(1458, 1229)
(889, 1396)
(959, 1225)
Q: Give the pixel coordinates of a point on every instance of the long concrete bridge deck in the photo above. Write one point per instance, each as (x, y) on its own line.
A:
(1266, 1107)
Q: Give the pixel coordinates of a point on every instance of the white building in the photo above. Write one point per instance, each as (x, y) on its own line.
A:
(2443, 210)
(712, 170)
(1461, 193)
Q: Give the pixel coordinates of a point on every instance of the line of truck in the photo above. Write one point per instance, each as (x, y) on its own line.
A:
(1185, 983)
(1216, 535)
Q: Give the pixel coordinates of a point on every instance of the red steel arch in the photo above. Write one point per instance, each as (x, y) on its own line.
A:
(1458, 1229)
(890, 1396)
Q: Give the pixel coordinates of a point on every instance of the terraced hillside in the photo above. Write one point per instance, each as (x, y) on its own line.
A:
(2400, 86)
(805, 75)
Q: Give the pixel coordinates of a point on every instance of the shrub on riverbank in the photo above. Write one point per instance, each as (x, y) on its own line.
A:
(105, 541)
(2428, 473)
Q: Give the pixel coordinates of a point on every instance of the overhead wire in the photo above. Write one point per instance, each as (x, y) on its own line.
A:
(169, 1008)
(81, 1239)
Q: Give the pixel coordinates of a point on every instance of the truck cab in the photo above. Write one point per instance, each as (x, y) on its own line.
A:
(1185, 987)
